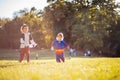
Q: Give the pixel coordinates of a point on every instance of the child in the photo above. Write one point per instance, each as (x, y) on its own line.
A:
(88, 52)
(26, 41)
(59, 45)
(72, 52)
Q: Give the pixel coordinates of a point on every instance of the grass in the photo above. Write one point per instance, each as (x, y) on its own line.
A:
(74, 69)
(46, 68)
(14, 54)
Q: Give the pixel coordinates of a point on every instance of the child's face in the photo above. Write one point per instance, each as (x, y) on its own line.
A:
(25, 29)
(59, 38)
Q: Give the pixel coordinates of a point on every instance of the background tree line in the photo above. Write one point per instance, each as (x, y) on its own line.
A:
(86, 24)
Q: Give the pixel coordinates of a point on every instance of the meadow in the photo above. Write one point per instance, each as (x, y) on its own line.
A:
(76, 68)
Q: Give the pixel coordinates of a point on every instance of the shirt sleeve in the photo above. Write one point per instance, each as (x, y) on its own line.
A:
(65, 44)
(52, 45)
(33, 43)
(22, 39)
(32, 40)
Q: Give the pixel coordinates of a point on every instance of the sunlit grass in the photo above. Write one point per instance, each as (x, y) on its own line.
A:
(74, 69)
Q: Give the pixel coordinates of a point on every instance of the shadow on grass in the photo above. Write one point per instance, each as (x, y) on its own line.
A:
(5, 66)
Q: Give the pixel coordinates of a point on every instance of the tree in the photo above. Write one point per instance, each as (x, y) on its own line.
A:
(85, 20)
(3, 36)
(12, 28)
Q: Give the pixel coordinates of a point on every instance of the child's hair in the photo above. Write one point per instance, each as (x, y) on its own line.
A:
(59, 35)
(23, 26)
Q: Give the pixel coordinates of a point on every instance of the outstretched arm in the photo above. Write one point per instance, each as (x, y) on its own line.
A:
(33, 43)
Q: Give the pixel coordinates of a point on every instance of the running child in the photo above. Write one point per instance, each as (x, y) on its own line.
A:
(59, 45)
(26, 41)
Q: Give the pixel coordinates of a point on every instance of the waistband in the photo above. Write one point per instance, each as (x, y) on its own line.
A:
(59, 51)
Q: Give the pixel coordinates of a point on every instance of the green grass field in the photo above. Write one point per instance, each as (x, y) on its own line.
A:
(73, 69)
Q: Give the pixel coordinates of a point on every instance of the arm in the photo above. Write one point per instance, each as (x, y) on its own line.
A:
(66, 45)
(32, 41)
(52, 46)
(22, 41)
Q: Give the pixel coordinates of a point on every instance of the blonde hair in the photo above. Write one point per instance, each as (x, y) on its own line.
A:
(23, 26)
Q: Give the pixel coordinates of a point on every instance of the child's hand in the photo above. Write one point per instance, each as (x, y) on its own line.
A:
(36, 46)
(68, 47)
(52, 48)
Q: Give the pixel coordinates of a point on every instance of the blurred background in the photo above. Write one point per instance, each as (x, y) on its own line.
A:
(87, 24)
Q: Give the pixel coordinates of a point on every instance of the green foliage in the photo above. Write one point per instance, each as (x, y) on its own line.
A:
(86, 24)
(83, 20)
(12, 32)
